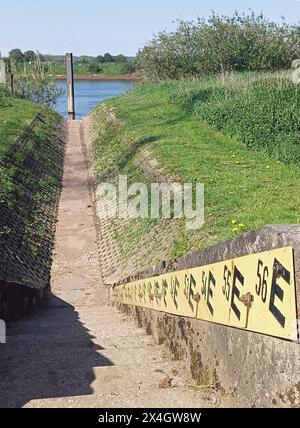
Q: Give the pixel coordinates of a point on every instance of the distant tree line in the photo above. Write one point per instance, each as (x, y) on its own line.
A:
(107, 63)
(220, 44)
(107, 57)
(17, 56)
(30, 56)
(120, 61)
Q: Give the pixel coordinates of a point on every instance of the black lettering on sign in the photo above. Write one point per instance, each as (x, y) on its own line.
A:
(165, 287)
(186, 286)
(277, 291)
(140, 294)
(174, 290)
(204, 285)
(149, 287)
(193, 285)
(237, 276)
(210, 294)
(262, 286)
(190, 286)
(157, 293)
(144, 291)
(226, 287)
(259, 276)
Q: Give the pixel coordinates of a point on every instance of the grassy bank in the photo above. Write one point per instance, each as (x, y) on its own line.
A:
(245, 186)
(260, 110)
(15, 115)
(30, 176)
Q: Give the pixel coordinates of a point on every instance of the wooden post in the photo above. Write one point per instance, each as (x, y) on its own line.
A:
(70, 85)
(11, 83)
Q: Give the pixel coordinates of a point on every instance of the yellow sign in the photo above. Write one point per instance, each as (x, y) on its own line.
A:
(256, 293)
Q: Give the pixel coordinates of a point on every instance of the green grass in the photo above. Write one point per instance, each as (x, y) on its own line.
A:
(244, 188)
(30, 168)
(262, 111)
(15, 115)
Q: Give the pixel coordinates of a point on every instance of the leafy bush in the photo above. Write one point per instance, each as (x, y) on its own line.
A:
(35, 84)
(220, 44)
(117, 69)
(41, 91)
(95, 68)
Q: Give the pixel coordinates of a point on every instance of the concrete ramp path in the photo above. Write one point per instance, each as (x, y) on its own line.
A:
(77, 351)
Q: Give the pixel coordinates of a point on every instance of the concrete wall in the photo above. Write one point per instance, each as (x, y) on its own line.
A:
(17, 301)
(250, 369)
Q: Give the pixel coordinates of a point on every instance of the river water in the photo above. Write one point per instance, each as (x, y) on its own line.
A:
(89, 93)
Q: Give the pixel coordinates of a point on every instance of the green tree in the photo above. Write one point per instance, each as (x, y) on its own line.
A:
(220, 44)
(120, 59)
(100, 59)
(29, 56)
(108, 57)
(16, 55)
(95, 68)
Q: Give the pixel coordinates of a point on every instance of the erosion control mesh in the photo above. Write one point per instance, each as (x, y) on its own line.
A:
(30, 180)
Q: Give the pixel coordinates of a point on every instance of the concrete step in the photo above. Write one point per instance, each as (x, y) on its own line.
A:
(83, 296)
(83, 311)
(36, 357)
(68, 319)
(78, 342)
(77, 329)
(20, 385)
(89, 378)
(76, 332)
(181, 398)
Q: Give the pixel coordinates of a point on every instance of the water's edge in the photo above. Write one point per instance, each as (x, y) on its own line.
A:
(89, 93)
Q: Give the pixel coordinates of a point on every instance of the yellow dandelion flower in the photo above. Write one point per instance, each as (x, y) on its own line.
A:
(235, 230)
(241, 225)
(234, 221)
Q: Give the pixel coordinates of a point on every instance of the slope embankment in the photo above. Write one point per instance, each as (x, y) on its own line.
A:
(223, 298)
(155, 133)
(31, 162)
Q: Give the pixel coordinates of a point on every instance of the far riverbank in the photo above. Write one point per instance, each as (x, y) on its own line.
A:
(102, 77)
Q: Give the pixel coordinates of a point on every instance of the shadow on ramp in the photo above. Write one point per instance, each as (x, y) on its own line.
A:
(49, 355)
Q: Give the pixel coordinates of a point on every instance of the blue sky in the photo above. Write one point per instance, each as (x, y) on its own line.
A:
(93, 27)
